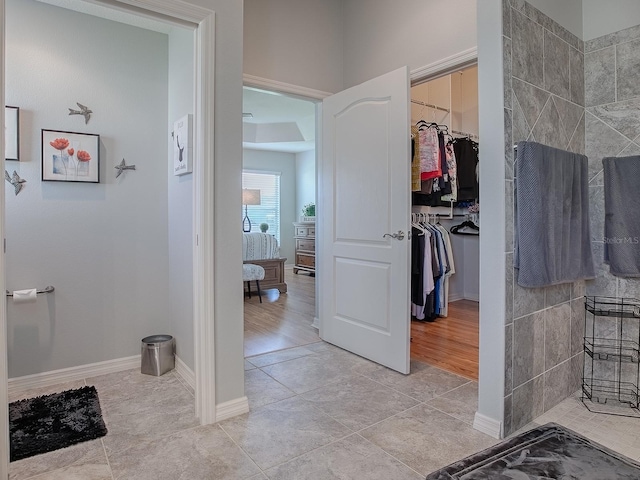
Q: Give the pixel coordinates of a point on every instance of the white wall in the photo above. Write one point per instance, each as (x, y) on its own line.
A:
(285, 164)
(567, 13)
(381, 36)
(601, 18)
(180, 199)
(492, 193)
(102, 246)
(305, 180)
(299, 42)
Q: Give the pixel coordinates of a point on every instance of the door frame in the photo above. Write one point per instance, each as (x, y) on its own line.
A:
(202, 21)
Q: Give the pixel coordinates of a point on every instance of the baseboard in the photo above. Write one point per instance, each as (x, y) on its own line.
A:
(231, 408)
(185, 373)
(472, 296)
(72, 374)
(455, 297)
(490, 426)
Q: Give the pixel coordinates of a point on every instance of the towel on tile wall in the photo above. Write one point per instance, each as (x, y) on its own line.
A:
(551, 232)
(622, 215)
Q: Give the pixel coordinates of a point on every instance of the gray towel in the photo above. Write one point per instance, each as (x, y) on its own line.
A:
(622, 215)
(552, 238)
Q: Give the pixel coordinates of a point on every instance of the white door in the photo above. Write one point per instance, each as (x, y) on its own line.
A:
(364, 179)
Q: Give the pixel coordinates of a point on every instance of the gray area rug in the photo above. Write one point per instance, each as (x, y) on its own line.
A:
(547, 452)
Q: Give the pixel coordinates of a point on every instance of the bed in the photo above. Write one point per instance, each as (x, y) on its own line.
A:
(262, 249)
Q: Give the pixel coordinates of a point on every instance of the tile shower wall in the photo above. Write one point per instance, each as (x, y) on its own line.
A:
(612, 119)
(544, 102)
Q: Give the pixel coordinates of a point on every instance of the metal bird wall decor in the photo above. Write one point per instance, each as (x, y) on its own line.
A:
(122, 166)
(15, 180)
(83, 111)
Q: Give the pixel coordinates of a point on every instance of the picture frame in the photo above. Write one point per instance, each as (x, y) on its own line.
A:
(70, 156)
(11, 133)
(183, 145)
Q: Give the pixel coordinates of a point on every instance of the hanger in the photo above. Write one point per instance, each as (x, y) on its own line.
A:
(466, 228)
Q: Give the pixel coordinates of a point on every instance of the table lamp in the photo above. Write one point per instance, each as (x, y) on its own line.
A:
(249, 197)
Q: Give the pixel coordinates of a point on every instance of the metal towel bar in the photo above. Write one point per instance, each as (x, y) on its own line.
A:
(47, 289)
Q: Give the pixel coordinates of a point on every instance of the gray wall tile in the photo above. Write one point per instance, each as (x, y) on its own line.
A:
(557, 335)
(577, 363)
(526, 300)
(620, 36)
(557, 383)
(623, 116)
(578, 290)
(548, 129)
(527, 402)
(506, 53)
(556, 65)
(556, 294)
(527, 49)
(577, 325)
(596, 212)
(628, 69)
(528, 348)
(521, 129)
(508, 357)
(576, 76)
(577, 141)
(509, 225)
(531, 99)
(599, 77)
(508, 145)
(506, 18)
(570, 114)
(604, 284)
(601, 141)
(630, 150)
(509, 288)
(507, 429)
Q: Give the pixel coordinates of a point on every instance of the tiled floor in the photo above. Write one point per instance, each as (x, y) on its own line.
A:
(317, 412)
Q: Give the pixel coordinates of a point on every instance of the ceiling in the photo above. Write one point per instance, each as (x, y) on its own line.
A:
(278, 123)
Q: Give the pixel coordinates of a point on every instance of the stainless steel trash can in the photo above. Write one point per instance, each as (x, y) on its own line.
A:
(157, 355)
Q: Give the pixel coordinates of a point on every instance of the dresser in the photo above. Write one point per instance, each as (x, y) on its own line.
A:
(305, 236)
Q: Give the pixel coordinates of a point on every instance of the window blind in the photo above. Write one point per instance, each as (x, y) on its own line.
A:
(269, 209)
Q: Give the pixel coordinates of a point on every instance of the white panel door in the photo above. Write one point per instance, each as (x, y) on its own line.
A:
(364, 179)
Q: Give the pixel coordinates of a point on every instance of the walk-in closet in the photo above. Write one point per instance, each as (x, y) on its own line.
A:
(445, 222)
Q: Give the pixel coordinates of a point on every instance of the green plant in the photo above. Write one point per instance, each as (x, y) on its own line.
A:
(309, 210)
(264, 227)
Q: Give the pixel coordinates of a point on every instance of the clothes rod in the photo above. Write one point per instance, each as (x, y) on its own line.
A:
(48, 289)
(418, 102)
(466, 134)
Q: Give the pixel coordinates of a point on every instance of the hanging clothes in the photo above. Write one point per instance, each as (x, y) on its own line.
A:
(416, 182)
(429, 149)
(466, 153)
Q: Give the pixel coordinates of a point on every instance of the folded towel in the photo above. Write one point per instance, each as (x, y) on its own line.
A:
(552, 237)
(622, 215)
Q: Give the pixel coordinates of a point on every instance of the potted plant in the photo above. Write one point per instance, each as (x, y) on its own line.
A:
(309, 212)
(264, 227)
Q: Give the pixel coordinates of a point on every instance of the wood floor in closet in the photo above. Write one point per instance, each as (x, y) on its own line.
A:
(450, 343)
(284, 321)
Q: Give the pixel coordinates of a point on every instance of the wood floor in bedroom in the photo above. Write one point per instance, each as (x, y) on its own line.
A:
(284, 321)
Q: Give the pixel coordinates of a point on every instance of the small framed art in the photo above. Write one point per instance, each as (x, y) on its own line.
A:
(70, 156)
(11, 133)
(182, 156)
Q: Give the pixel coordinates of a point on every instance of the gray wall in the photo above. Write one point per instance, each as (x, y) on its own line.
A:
(103, 246)
(612, 127)
(384, 35)
(180, 199)
(305, 180)
(601, 18)
(285, 164)
(544, 102)
(299, 42)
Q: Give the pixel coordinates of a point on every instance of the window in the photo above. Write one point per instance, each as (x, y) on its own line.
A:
(269, 209)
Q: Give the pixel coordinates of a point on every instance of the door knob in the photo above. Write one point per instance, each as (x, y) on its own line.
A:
(398, 236)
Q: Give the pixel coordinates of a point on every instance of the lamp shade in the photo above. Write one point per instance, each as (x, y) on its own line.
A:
(250, 196)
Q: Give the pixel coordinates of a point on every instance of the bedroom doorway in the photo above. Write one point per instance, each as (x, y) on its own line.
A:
(279, 161)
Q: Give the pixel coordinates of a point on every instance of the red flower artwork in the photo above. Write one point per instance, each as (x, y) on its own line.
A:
(60, 143)
(83, 156)
(71, 151)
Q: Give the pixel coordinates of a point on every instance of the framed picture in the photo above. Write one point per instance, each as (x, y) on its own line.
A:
(70, 157)
(182, 146)
(11, 133)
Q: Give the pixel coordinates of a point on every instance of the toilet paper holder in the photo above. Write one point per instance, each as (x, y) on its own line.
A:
(47, 289)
